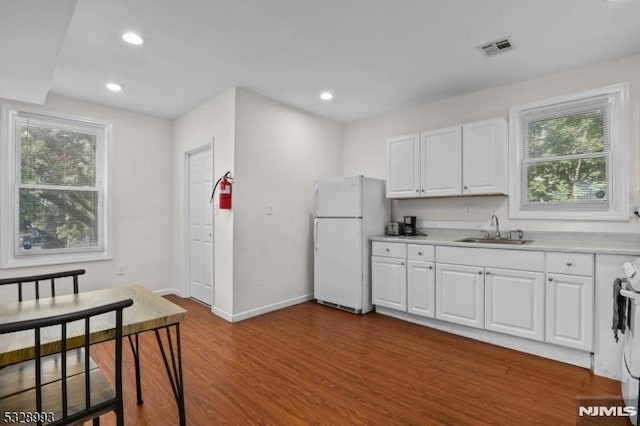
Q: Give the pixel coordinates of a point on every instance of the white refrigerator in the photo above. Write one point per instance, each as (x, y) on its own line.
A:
(347, 211)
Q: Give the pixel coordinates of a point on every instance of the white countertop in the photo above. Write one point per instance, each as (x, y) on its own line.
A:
(583, 242)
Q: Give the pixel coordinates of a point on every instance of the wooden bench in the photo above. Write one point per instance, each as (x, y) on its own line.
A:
(18, 393)
(64, 388)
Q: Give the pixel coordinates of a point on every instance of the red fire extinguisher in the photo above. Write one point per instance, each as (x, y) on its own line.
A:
(225, 191)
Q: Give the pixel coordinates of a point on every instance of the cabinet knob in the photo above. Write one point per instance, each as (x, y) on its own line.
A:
(488, 273)
(419, 253)
(569, 263)
(430, 267)
(402, 263)
(479, 272)
(387, 250)
(417, 190)
(465, 187)
(550, 279)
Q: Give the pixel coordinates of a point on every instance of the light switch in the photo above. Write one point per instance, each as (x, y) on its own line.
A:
(269, 209)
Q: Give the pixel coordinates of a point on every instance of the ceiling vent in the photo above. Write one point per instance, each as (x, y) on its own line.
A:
(495, 47)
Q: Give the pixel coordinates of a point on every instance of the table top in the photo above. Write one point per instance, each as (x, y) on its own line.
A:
(149, 311)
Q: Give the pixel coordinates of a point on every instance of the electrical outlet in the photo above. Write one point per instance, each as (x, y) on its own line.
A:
(467, 210)
(269, 209)
(120, 270)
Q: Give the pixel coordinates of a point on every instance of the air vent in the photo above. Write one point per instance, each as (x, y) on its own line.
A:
(495, 47)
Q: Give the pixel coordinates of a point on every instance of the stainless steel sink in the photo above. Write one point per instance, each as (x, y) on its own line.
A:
(493, 241)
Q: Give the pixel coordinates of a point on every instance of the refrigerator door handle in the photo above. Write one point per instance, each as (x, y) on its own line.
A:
(315, 234)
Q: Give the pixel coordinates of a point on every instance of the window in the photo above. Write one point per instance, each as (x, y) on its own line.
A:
(569, 157)
(53, 188)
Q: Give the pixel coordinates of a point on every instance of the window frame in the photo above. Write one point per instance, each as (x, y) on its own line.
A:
(10, 257)
(618, 158)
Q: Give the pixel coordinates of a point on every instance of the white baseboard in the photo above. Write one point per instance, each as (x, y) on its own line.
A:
(166, 291)
(261, 310)
(222, 314)
(545, 350)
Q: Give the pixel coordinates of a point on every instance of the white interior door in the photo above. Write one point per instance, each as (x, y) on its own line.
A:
(200, 227)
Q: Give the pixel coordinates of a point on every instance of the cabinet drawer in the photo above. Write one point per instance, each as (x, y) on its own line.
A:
(570, 263)
(380, 248)
(420, 252)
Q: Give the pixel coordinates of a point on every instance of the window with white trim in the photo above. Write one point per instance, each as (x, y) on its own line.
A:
(569, 157)
(53, 188)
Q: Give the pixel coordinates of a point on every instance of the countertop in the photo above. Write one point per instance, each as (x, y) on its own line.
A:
(580, 242)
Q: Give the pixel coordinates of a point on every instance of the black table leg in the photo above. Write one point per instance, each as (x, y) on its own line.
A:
(174, 369)
(135, 348)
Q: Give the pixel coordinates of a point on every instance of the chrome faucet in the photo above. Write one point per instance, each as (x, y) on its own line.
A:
(497, 233)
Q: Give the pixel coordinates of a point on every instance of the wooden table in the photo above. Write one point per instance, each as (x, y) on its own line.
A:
(149, 312)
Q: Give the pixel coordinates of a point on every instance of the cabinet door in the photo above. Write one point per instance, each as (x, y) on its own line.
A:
(514, 302)
(389, 282)
(441, 164)
(569, 315)
(485, 164)
(403, 166)
(421, 288)
(460, 294)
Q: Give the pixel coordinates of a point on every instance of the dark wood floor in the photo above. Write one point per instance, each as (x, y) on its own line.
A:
(310, 364)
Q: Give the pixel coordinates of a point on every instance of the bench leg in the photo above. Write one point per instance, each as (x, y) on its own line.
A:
(135, 349)
(174, 369)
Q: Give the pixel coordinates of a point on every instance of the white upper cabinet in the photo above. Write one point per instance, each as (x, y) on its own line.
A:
(441, 169)
(485, 166)
(403, 166)
(468, 159)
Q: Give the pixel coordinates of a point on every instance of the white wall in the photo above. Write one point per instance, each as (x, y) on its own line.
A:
(141, 200)
(364, 141)
(279, 152)
(214, 120)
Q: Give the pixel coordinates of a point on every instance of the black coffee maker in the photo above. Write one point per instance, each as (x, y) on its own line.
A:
(410, 225)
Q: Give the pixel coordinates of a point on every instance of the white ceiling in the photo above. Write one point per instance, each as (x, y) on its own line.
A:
(375, 55)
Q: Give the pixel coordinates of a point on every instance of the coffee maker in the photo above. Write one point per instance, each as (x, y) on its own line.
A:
(410, 225)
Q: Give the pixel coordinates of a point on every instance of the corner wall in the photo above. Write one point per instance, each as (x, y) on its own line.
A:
(214, 120)
(141, 199)
(279, 152)
(364, 149)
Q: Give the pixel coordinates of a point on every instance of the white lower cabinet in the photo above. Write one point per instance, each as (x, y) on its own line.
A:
(547, 296)
(389, 282)
(569, 315)
(460, 294)
(421, 288)
(514, 302)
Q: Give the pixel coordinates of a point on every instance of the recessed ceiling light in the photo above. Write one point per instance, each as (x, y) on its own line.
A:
(326, 96)
(133, 38)
(114, 87)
